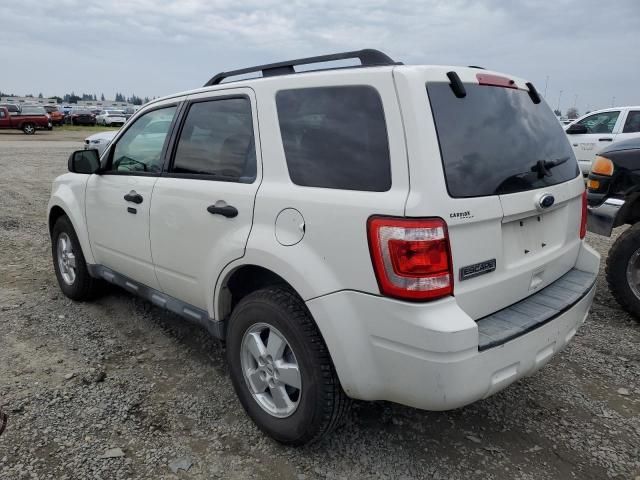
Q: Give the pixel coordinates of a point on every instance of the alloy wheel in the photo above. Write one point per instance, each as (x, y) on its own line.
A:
(66, 259)
(271, 370)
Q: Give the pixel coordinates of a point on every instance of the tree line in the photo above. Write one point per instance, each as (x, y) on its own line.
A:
(74, 98)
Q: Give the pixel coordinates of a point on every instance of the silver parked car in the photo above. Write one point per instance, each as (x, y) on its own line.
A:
(99, 141)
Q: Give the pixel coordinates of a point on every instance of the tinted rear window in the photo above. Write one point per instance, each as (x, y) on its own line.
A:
(493, 139)
(335, 137)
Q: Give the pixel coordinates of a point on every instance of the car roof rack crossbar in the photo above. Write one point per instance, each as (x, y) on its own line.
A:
(368, 58)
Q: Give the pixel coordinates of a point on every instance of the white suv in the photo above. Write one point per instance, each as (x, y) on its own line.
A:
(382, 232)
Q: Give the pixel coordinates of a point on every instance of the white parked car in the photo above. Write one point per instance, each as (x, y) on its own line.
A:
(99, 141)
(412, 234)
(114, 118)
(592, 132)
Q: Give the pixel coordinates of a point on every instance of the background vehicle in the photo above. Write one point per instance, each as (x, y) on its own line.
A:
(12, 108)
(596, 130)
(27, 123)
(57, 117)
(129, 111)
(115, 118)
(281, 218)
(99, 141)
(82, 117)
(32, 110)
(614, 200)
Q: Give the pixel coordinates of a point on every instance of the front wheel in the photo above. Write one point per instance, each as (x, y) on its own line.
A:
(281, 369)
(29, 128)
(623, 270)
(69, 263)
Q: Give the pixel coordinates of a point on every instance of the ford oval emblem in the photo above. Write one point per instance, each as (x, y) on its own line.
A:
(546, 200)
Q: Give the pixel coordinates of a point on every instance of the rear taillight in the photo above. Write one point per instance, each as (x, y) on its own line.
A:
(583, 221)
(411, 257)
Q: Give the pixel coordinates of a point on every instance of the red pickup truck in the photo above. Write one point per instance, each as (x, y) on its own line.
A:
(27, 123)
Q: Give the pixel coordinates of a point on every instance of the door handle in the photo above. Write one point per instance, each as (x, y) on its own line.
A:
(605, 139)
(226, 211)
(133, 196)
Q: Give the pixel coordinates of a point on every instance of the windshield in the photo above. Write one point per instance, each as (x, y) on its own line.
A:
(33, 111)
(496, 141)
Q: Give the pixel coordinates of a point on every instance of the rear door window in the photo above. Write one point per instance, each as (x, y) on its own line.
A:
(497, 141)
(632, 125)
(217, 141)
(335, 137)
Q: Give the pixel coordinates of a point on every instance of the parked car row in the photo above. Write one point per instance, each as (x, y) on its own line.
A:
(73, 115)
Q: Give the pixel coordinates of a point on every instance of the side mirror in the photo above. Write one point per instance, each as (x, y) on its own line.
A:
(84, 161)
(577, 129)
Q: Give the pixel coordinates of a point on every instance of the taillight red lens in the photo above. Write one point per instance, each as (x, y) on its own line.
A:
(411, 257)
(583, 222)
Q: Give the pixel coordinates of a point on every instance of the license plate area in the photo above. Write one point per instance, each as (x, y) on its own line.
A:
(527, 238)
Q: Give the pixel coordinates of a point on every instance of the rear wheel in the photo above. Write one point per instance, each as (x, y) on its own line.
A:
(69, 263)
(281, 368)
(623, 270)
(29, 128)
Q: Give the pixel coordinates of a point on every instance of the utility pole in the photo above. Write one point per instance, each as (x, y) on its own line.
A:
(559, 97)
(546, 82)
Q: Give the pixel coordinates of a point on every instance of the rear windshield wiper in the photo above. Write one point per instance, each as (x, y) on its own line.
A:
(543, 167)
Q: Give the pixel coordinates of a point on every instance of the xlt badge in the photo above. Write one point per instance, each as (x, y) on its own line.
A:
(476, 269)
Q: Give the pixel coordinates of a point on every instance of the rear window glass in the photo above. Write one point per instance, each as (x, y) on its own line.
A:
(497, 141)
(335, 137)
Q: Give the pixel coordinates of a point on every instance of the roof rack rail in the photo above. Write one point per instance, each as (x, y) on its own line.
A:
(368, 58)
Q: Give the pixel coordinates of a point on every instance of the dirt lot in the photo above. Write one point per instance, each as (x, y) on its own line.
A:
(79, 379)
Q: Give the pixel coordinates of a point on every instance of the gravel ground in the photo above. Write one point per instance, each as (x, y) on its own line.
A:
(118, 389)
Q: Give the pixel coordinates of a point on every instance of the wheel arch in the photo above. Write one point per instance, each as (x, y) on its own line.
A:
(630, 212)
(241, 280)
(64, 203)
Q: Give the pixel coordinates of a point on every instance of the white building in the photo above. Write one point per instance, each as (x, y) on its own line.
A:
(28, 100)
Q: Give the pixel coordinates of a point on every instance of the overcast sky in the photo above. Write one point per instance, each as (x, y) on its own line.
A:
(588, 48)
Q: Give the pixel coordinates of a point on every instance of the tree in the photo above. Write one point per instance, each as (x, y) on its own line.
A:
(558, 113)
(135, 100)
(572, 113)
(40, 95)
(102, 97)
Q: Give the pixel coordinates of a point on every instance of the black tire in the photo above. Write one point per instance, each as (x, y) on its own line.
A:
(29, 128)
(322, 403)
(84, 287)
(620, 253)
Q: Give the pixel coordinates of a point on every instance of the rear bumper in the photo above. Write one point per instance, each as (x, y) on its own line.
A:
(427, 355)
(603, 218)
